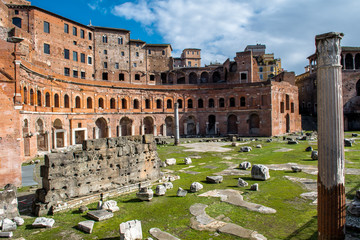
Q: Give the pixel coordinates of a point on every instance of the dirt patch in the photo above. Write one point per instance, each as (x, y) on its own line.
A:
(309, 169)
(283, 150)
(206, 147)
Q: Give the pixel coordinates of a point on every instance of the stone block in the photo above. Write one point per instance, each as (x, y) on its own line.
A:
(145, 194)
(214, 179)
(148, 138)
(309, 149)
(314, 155)
(181, 192)
(187, 161)
(100, 215)
(168, 185)
(19, 221)
(245, 149)
(110, 206)
(196, 186)
(292, 141)
(131, 230)
(255, 187)
(86, 226)
(260, 172)
(170, 161)
(296, 169)
(242, 183)
(245, 165)
(160, 190)
(6, 234)
(43, 222)
(8, 225)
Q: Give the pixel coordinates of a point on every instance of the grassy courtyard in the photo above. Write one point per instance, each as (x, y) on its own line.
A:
(295, 217)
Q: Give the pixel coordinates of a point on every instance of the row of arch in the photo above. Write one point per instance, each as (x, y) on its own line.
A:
(191, 78)
(124, 103)
(351, 61)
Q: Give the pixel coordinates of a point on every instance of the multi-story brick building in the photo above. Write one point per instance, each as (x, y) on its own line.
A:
(306, 82)
(62, 82)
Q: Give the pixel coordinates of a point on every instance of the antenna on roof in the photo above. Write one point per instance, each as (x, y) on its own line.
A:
(90, 23)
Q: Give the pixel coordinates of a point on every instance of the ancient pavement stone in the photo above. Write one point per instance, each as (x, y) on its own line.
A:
(86, 226)
(260, 172)
(160, 235)
(43, 222)
(234, 197)
(100, 215)
(131, 230)
(214, 179)
(6, 234)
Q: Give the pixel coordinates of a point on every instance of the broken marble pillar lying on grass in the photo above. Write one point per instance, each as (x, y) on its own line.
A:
(86, 226)
(245, 149)
(196, 186)
(43, 222)
(145, 194)
(214, 179)
(170, 161)
(8, 202)
(131, 230)
(6, 234)
(106, 165)
(245, 165)
(187, 161)
(168, 185)
(260, 172)
(242, 183)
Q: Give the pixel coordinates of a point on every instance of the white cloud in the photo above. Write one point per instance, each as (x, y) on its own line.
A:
(222, 28)
(96, 5)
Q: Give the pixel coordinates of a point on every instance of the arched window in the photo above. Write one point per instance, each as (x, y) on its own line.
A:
(47, 99)
(121, 77)
(349, 64)
(242, 102)
(147, 103)
(101, 103)
(105, 39)
(180, 102)
(190, 103)
(17, 22)
(123, 103)
(136, 104)
(158, 104)
(66, 101)
(221, 102)
(89, 102)
(31, 97)
(204, 78)
(56, 100)
(232, 102)
(39, 98)
(357, 61)
(112, 103)
(200, 103)
(193, 78)
(168, 103)
(211, 103)
(25, 95)
(120, 40)
(216, 77)
(77, 102)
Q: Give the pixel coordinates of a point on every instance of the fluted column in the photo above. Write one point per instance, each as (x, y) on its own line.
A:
(331, 189)
(177, 133)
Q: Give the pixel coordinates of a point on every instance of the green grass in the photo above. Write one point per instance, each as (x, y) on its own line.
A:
(295, 217)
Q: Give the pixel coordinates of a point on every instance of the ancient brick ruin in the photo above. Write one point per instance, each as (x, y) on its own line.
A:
(107, 165)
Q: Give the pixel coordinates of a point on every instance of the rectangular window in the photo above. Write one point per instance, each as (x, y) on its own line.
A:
(66, 28)
(74, 31)
(89, 60)
(122, 54)
(282, 107)
(82, 75)
(121, 77)
(163, 52)
(152, 77)
(82, 57)
(90, 36)
(75, 73)
(105, 52)
(134, 64)
(116, 65)
(66, 53)
(75, 43)
(137, 54)
(75, 56)
(46, 48)
(105, 64)
(82, 33)
(120, 40)
(67, 71)
(46, 27)
(149, 51)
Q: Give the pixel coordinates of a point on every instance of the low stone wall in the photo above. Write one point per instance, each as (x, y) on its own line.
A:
(8, 203)
(103, 166)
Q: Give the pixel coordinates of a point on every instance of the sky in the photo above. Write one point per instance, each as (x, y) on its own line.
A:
(222, 28)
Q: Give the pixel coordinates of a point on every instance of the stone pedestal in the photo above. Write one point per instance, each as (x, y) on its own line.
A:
(331, 189)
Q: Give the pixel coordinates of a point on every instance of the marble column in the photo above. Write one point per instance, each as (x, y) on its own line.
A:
(331, 175)
(177, 134)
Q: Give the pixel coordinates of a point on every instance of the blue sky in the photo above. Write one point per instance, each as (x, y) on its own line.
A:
(222, 28)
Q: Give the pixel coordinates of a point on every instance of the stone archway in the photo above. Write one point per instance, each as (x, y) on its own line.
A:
(190, 126)
(254, 124)
(101, 128)
(169, 125)
(125, 126)
(232, 126)
(148, 125)
(211, 127)
(59, 134)
(42, 136)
